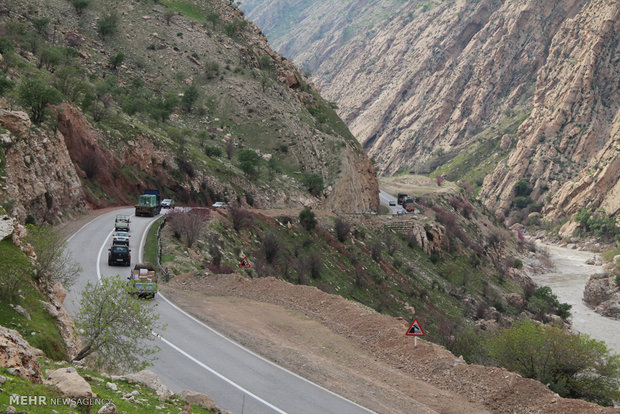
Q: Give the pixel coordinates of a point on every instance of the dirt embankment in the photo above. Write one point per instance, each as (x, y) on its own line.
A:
(357, 352)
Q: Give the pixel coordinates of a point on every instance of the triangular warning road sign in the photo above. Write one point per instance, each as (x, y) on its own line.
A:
(415, 329)
(245, 263)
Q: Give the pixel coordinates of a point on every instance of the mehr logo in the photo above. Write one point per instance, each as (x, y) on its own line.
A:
(16, 399)
(27, 399)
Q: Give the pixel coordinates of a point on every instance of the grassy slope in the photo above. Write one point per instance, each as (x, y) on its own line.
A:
(435, 286)
(147, 400)
(40, 331)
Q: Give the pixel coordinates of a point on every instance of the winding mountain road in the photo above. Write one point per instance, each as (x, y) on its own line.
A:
(194, 356)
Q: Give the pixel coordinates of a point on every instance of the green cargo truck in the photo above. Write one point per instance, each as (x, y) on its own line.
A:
(148, 205)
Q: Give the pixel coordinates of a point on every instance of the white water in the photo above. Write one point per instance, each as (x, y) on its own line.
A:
(568, 281)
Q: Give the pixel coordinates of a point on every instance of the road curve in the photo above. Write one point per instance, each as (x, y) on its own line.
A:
(385, 198)
(194, 356)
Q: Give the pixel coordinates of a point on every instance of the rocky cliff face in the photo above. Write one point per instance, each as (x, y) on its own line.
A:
(427, 82)
(571, 141)
(39, 177)
(247, 97)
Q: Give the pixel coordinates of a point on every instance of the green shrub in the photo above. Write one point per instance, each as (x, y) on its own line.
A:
(116, 60)
(522, 188)
(5, 84)
(307, 219)
(597, 223)
(313, 183)
(573, 365)
(249, 161)
(16, 270)
(108, 25)
(213, 151)
(190, 96)
(36, 95)
(80, 5)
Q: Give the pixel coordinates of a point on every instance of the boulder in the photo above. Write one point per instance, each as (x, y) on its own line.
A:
(196, 398)
(151, 380)
(516, 300)
(68, 382)
(6, 226)
(109, 408)
(22, 312)
(17, 355)
(599, 288)
(17, 122)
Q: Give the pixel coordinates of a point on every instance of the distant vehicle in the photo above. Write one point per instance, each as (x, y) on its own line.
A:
(120, 237)
(143, 281)
(409, 204)
(400, 198)
(149, 203)
(121, 223)
(392, 203)
(167, 203)
(119, 255)
(219, 204)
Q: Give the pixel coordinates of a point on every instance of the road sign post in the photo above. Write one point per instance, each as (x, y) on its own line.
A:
(415, 330)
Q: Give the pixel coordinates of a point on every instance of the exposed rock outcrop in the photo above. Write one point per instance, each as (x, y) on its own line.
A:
(150, 379)
(18, 356)
(68, 382)
(427, 82)
(38, 173)
(602, 294)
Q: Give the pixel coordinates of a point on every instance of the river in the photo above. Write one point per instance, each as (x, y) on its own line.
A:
(568, 281)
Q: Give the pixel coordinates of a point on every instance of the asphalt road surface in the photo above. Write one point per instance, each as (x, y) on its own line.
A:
(385, 198)
(192, 355)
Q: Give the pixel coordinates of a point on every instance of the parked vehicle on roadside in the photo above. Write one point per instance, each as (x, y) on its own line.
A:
(392, 203)
(400, 198)
(121, 223)
(143, 281)
(220, 204)
(120, 237)
(167, 203)
(119, 255)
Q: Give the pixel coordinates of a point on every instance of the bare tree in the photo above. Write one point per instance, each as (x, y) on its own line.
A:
(54, 261)
(188, 224)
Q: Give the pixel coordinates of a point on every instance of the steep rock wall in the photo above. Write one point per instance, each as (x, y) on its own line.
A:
(39, 177)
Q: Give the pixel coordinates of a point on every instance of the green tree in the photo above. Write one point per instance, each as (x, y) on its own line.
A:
(54, 260)
(117, 60)
(574, 365)
(249, 161)
(80, 6)
(40, 24)
(522, 188)
(117, 327)
(36, 95)
(190, 96)
(214, 19)
(314, 183)
(108, 24)
(5, 84)
(51, 57)
(307, 219)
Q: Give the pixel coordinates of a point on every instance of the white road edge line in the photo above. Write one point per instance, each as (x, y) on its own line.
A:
(243, 347)
(173, 346)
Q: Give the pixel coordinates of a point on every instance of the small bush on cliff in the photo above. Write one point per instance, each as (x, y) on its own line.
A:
(314, 183)
(54, 261)
(35, 95)
(15, 270)
(342, 229)
(597, 223)
(307, 219)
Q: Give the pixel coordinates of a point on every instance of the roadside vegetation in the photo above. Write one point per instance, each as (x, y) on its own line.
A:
(145, 401)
